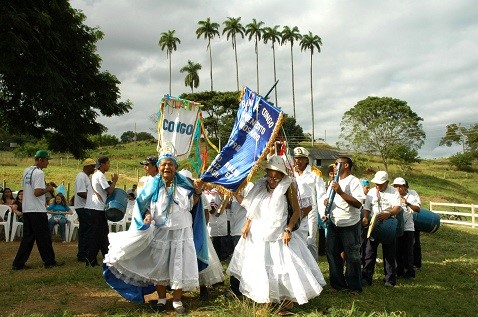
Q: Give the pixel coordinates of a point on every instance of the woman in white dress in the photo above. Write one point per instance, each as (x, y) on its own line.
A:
(271, 265)
(160, 249)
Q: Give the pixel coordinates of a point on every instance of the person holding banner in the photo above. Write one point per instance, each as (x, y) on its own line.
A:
(311, 189)
(384, 202)
(344, 228)
(271, 264)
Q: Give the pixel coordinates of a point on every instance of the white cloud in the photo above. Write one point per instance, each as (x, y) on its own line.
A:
(423, 52)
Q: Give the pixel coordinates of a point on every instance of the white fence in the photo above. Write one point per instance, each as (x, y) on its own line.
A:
(450, 213)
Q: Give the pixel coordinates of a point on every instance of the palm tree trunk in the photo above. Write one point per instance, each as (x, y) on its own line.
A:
(312, 101)
(257, 66)
(210, 62)
(170, 73)
(275, 74)
(293, 89)
(237, 66)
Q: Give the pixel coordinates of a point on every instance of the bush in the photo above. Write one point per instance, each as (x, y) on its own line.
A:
(462, 161)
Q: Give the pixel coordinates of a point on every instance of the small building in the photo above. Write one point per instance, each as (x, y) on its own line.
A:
(322, 157)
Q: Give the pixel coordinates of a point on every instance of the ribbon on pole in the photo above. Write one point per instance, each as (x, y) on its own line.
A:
(255, 129)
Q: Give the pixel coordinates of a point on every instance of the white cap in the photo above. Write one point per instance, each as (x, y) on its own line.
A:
(276, 163)
(380, 177)
(301, 152)
(399, 181)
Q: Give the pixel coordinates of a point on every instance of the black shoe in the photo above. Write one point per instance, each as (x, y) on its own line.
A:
(18, 268)
(203, 293)
(158, 307)
(57, 263)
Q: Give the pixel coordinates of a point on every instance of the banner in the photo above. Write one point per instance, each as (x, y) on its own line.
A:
(177, 124)
(256, 126)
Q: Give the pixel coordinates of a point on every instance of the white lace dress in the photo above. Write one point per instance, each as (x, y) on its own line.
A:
(162, 255)
(268, 270)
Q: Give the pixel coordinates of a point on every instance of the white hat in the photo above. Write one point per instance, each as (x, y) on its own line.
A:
(301, 152)
(276, 163)
(186, 173)
(380, 177)
(399, 181)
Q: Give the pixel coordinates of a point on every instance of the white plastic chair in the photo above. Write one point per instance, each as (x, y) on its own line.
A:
(74, 224)
(119, 225)
(5, 224)
(67, 228)
(17, 227)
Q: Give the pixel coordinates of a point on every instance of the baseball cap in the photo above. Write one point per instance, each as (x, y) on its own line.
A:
(399, 181)
(301, 152)
(380, 177)
(88, 162)
(276, 163)
(149, 160)
(42, 154)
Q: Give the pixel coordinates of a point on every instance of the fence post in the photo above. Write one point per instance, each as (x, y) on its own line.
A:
(473, 222)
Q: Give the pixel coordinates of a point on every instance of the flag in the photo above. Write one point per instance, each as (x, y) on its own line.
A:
(255, 128)
(177, 123)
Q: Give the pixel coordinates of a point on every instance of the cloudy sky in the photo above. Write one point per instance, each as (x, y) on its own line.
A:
(422, 51)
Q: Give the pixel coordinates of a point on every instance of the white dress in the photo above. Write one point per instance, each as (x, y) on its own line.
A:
(163, 254)
(269, 270)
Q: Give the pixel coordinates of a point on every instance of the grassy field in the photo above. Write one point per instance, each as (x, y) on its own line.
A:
(446, 285)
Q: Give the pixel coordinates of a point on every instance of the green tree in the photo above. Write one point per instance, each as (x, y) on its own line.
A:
(311, 42)
(255, 30)
(291, 35)
(104, 139)
(51, 83)
(232, 28)
(127, 137)
(377, 125)
(274, 35)
(466, 137)
(192, 77)
(209, 30)
(144, 136)
(169, 42)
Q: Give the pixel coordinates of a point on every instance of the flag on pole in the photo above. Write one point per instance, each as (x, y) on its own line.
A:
(256, 126)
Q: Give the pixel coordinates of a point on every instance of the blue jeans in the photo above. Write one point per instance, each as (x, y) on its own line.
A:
(61, 226)
(347, 240)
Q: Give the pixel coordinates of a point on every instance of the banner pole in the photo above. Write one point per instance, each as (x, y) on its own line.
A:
(269, 92)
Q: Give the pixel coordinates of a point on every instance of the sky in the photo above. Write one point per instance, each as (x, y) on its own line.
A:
(421, 51)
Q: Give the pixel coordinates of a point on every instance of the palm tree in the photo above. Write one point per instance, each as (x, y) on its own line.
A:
(273, 35)
(311, 42)
(291, 35)
(254, 29)
(169, 42)
(192, 77)
(233, 27)
(209, 30)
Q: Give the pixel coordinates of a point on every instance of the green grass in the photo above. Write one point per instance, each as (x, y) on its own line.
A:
(444, 286)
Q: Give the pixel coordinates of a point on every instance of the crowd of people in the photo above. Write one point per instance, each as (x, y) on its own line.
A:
(271, 232)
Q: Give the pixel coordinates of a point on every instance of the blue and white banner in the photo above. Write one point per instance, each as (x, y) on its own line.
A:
(177, 124)
(257, 123)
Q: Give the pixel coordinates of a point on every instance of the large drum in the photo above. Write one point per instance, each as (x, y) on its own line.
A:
(426, 220)
(384, 231)
(116, 204)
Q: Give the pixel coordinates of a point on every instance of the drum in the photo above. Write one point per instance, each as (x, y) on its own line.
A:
(385, 231)
(116, 204)
(426, 220)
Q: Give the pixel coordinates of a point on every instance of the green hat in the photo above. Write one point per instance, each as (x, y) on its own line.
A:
(42, 154)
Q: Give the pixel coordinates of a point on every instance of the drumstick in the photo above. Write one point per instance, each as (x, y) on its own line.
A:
(373, 221)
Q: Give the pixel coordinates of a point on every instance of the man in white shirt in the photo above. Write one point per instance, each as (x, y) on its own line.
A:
(410, 203)
(384, 201)
(82, 187)
(100, 189)
(35, 219)
(344, 228)
(311, 189)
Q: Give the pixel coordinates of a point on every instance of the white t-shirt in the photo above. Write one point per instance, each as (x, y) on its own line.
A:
(412, 198)
(341, 213)
(217, 225)
(33, 178)
(378, 202)
(237, 214)
(97, 196)
(82, 185)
